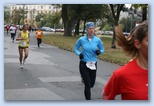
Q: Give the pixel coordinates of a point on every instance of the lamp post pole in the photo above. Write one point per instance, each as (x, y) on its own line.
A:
(32, 16)
(41, 22)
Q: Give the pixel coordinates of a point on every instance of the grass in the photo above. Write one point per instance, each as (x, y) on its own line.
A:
(116, 56)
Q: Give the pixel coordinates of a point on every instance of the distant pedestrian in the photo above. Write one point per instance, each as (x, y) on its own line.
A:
(39, 34)
(91, 47)
(20, 27)
(13, 32)
(131, 80)
(7, 28)
(29, 29)
(23, 38)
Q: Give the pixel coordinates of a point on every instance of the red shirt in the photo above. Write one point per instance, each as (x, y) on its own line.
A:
(130, 81)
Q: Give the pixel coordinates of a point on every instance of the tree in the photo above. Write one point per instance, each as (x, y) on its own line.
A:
(92, 12)
(144, 8)
(6, 16)
(40, 20)
(56, 16)
(17, 15)
(39, 16)
(115, 9)
(70, 16)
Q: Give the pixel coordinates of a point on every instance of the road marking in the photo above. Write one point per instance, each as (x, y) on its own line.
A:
(31, 94)
(68, 79)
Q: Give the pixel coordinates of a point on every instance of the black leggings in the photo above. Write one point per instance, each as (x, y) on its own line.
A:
(89, 77)
(13, 36)
(39, 42)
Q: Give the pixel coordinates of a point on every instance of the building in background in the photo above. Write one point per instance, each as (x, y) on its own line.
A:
(32, 10)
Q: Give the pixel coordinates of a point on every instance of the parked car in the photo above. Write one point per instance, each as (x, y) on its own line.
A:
(45, 28)
(62, 30)
(126, 33)
(108, 32)
(81, 31)
(100, 32)
(50, 29)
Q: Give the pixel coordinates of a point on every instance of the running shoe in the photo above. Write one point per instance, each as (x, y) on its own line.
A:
(24, 62)
(21, 66)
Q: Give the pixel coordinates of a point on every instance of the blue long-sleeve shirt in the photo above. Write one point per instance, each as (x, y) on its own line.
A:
(88, 48)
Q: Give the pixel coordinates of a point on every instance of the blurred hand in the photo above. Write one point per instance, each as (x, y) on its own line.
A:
(97, 52)
(81, 56)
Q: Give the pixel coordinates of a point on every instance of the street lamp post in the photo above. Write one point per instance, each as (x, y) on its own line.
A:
(41, 22)
(131, 13)
(32, 16)
(24, 14)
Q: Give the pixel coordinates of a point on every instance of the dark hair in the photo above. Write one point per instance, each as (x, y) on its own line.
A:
(127, 43)
(24, 26)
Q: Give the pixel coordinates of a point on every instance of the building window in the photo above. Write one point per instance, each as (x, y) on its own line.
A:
(41, 7)
(49, 7)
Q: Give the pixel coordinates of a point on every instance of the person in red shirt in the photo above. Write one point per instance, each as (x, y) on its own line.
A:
(131, 80)
(7, 28)
(39, 35)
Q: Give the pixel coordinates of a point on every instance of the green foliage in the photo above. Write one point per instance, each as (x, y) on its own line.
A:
(38, 17)
(6, 17)
(18, 15)
(136, 6)
(144, 8)
(106, 28)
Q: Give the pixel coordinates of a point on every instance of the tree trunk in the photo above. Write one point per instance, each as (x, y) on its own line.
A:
(144, 14)
(77, 28)
(113, 39)
(84, 27)
(68, 29)
(68, 22)
(116, 15)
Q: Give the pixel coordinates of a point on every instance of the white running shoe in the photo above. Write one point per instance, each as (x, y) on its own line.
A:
(21, 66)
(24, 62)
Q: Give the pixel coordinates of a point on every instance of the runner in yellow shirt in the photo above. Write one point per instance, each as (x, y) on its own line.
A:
(23, 38)
(39, 34)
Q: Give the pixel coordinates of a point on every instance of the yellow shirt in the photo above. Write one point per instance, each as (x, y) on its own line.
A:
(24, 43)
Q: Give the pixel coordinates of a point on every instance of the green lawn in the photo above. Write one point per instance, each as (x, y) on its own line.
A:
(116, 56)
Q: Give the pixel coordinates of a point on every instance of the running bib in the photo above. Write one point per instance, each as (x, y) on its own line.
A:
(91, 65)
(13, 31)
(39, 33)
(23, 43)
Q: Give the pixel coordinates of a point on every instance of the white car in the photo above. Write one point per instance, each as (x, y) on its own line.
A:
(108, 32)
(126, 33)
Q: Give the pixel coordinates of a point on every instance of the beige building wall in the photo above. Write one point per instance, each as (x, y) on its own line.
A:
(33, 10)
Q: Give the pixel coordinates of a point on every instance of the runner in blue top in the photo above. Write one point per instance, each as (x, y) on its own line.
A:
(91, 47)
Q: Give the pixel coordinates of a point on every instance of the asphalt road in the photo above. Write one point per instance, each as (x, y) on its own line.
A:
(49, 74)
